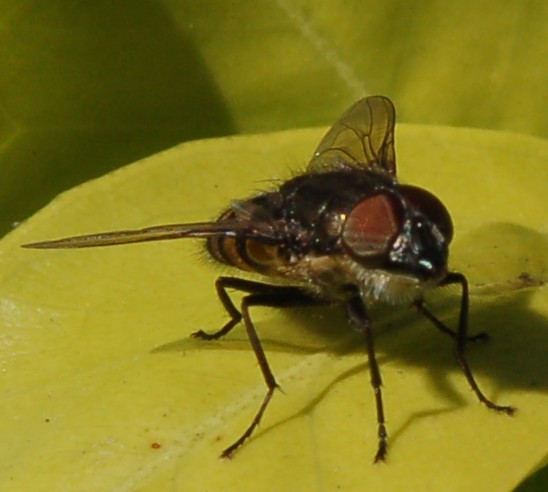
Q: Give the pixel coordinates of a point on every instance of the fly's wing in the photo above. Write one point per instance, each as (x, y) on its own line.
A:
(363, 137)
(227, 228)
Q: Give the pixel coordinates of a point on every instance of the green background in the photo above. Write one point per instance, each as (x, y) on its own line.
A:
(86, 87)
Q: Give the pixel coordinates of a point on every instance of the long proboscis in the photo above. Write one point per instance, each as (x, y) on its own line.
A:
(158, 233)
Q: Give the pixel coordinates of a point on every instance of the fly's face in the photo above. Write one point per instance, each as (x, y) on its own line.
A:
(421, 247)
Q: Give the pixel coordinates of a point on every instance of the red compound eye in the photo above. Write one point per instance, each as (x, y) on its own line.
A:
(372, 225)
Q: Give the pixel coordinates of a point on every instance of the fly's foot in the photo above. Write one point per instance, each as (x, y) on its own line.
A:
(508, 410)
(482, 336)
(202, 335)
(380, 457)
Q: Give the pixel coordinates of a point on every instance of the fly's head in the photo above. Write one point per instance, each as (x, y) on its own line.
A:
(405, 231)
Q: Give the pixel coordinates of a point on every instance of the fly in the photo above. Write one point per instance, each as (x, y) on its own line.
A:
(344, 233)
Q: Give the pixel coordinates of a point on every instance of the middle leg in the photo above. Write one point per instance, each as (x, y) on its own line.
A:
(271, 296)
(357, 315)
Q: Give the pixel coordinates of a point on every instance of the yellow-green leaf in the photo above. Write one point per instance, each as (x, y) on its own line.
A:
(104, 390)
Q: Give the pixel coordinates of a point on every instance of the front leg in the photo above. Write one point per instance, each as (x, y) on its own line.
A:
(422, 309)
(358, 317)
(461, 337)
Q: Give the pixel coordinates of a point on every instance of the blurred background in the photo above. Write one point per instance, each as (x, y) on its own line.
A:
(86, 87)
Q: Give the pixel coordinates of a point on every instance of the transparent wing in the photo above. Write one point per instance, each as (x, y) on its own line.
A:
(228, 228)
(363, 137)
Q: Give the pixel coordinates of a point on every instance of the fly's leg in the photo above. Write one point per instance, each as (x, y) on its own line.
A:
(444, 329)
(461, 338)
(284, 298)
(259, 295)
(357, 315)
(221, 286)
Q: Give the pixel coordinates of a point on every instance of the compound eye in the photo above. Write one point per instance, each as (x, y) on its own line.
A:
(372, 225)
(430, 206)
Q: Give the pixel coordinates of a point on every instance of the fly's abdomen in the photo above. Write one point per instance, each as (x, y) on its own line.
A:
(245, 254)
(250, 255)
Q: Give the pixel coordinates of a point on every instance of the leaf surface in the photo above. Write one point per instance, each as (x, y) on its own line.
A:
(104, 390)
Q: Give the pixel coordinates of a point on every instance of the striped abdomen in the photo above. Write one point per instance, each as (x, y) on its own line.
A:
(246, 254)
